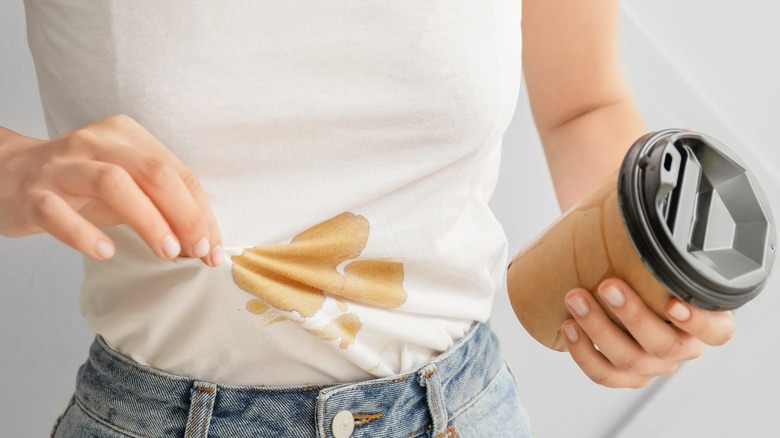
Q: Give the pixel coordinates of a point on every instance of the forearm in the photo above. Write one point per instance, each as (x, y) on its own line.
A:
(582, 151)
(579, 98)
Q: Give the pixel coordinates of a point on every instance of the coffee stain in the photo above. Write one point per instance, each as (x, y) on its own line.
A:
(344, 327)
(375, 282)
(301, 275)
(275, 289)
(256, 306)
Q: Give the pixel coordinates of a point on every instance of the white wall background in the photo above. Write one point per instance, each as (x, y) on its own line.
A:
(709, 65)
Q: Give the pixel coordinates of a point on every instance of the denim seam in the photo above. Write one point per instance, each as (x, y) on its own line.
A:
(321, 426)
(194, 415)
(138, 366)
(161, 373)
(270, 389)
(493, 381)
(204, 395)
(430, 379)
(360, 386)
(450, 432)
(420, 430)
(56, 425)
(105, 422)
(207, 417)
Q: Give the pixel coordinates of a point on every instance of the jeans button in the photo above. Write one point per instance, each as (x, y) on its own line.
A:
(343, 424)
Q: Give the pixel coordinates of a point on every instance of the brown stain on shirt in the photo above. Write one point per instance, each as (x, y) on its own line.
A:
(256, 306)
(301, 275)
(344, 327)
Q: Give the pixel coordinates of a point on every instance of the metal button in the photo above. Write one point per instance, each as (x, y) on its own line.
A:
(343, 424)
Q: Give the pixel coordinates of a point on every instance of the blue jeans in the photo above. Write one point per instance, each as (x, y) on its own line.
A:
(467, 391)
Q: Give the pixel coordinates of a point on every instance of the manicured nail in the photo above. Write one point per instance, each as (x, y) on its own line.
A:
(579, 305)
(679, 311)
(613, 296)
(571, 333)
(171, 247)
(217, 255)
(104, 249)
(201, 248)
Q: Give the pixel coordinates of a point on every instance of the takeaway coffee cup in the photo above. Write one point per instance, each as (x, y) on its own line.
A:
(682, 216)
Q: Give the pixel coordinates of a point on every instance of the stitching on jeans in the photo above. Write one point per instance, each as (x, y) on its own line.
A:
(449, 433)
(194, 414)
(206, 416)
(373, 385)
(104, 422)
(366, 418)
(56, 426)
(419, 430)
(493, 381)
(271, 389)
(324, 415)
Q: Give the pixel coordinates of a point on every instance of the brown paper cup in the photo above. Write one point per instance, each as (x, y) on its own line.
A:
(661, 224)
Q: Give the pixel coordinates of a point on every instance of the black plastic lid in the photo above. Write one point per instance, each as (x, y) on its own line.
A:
(697, 218)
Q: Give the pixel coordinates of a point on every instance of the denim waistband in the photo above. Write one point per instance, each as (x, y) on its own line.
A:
(146, 402)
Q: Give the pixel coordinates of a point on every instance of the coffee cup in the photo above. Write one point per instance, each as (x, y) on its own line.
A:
(682, 217)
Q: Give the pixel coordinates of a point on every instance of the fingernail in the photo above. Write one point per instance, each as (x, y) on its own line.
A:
(171, 247)
(579, 305)
(217, 256)
(679, 311)
(613, 296)
(201, 248)
(571, 333)
(104, 249)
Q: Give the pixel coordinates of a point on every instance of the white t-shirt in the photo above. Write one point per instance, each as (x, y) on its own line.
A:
(349, 150)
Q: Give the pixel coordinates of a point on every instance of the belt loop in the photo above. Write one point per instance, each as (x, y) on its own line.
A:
(202, 397)
(428, 377)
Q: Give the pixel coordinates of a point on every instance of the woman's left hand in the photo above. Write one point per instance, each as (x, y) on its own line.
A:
(656, 348)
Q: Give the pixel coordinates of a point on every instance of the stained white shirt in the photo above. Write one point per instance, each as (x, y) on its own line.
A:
(349, 149)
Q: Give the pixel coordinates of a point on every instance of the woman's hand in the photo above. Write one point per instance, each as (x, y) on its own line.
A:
(110, 172)
(655, 349)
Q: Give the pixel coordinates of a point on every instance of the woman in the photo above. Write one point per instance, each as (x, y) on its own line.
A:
(330, 166)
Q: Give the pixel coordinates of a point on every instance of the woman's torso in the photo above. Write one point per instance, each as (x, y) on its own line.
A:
(348, 149)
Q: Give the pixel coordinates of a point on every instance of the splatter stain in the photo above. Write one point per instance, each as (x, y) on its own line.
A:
(344, 327)
(301, 275)
(256, 306)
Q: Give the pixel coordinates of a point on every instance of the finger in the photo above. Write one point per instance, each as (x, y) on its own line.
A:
(216, 256)
(613, 342)
(161, 183)
(136, 136)
(50, 212)
(115, 188)
(655, 335)
(594, 364)
(713, 328)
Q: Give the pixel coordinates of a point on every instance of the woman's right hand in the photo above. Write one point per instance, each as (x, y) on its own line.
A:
(109, 172)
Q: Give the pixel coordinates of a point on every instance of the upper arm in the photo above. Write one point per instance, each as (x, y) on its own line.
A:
(570, 58)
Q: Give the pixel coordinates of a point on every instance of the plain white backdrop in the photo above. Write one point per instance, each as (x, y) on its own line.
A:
(708, 65)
